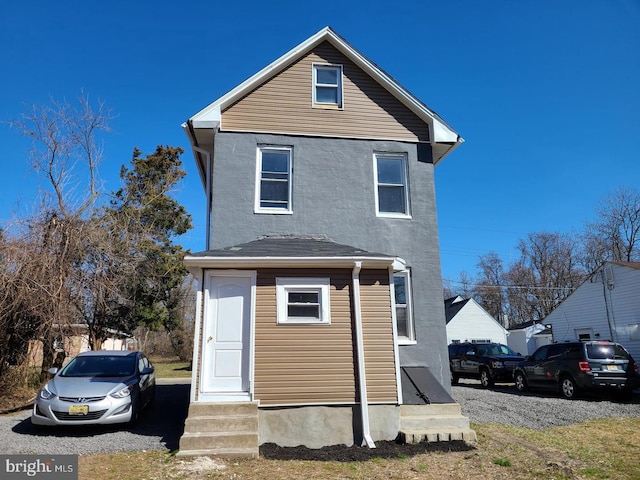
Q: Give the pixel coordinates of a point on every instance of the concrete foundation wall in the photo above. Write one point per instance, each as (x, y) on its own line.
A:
(320, 426)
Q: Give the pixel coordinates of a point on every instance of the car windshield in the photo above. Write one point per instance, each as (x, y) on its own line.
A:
(495, 350)
(606, 351)
(100, 366)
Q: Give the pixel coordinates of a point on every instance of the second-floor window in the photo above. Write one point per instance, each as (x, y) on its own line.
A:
(392, 192)
(327, 86)
(273, 180)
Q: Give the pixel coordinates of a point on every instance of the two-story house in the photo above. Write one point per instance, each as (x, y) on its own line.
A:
(320, 310)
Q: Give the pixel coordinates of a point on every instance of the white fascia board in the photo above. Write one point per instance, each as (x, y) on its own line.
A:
(196, 263)
(213, 111)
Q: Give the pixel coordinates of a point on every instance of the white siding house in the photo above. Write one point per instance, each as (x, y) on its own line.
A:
(527, 337)
(605, 307)
(467, 321)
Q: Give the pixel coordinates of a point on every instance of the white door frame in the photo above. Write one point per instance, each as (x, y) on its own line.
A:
(248, 336)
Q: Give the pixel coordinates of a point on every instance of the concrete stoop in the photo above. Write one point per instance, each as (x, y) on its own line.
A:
(441, 422)
(221, 429)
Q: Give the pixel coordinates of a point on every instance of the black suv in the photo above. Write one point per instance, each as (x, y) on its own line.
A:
(489, 362)
(574, 366)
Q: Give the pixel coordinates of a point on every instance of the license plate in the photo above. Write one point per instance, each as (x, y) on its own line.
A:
(78, 409)
(611, 367)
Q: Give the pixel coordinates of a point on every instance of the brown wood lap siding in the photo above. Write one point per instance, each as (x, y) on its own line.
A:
(378, 336)
(284, 105)
(304, 364)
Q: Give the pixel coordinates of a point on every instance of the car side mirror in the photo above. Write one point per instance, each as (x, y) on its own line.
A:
(147, 371)
(53, 370)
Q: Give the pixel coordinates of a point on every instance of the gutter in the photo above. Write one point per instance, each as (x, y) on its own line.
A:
(362, 380)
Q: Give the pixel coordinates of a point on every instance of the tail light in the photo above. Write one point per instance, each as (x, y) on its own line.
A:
(584, 366)
(635, 367)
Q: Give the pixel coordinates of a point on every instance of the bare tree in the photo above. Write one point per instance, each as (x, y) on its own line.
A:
(66, 152)
(546, 273)
(615, 234)
(489, 289)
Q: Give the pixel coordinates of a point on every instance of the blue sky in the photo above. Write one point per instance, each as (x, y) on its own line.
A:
(546, 93)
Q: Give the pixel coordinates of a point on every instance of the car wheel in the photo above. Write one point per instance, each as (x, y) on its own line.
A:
(485, 378)
(568, 387)
(455, 378)
(521, 382)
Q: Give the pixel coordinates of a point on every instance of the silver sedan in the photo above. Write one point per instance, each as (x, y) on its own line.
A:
(96, 387)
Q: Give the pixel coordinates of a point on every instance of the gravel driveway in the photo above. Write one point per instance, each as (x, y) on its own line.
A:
(160, 428)
(503, 404)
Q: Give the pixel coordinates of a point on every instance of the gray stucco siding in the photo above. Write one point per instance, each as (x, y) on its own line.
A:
(333, 194)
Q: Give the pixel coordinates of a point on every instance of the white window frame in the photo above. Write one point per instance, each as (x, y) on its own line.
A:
(258, 208)
(411, 338)
(402, 157)
(338, 87)
(321, 286)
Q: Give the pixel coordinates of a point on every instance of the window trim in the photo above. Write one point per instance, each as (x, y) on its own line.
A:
(411, 339)
(405, 172)
(284, 285)
(258, 183)
(339, 87)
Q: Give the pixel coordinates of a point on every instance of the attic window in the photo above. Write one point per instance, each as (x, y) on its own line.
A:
(327, 86)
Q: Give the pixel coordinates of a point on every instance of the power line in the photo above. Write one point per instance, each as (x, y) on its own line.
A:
(515, 287)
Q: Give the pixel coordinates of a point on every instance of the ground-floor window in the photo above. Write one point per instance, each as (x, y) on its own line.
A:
(303, 300)
(403, 306)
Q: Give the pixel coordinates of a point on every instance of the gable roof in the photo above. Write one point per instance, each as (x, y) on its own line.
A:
(290, 251)
(452, 306)
(443, 138)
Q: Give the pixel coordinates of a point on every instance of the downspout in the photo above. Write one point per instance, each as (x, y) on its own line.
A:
(195, 359)
(362, 380)
(208, 192)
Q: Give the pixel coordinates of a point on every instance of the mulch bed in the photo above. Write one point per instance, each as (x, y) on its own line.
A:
(342, 453)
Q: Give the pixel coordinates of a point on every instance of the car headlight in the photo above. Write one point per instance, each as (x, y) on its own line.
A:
(497, 364)
(46, 394)
(125, 392)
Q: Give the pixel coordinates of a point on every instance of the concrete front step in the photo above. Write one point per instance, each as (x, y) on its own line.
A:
(431, 409)
(223, 429)
(221, 452)
(204, 440)
(434, 423)
(435, 435)
(223, 408)
(221, 423)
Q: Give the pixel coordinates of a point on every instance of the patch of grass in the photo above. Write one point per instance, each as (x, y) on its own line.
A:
(568, 452)
(172, 369)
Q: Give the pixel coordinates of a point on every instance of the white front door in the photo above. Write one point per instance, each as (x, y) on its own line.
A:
(227, 336)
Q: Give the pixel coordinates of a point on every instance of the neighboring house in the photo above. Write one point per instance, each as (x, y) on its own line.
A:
(320, 303)
(74, 339)
(526, 337)
(467, 321)
(605, 307)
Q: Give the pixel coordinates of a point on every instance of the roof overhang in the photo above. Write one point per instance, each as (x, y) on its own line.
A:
(195, 264)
